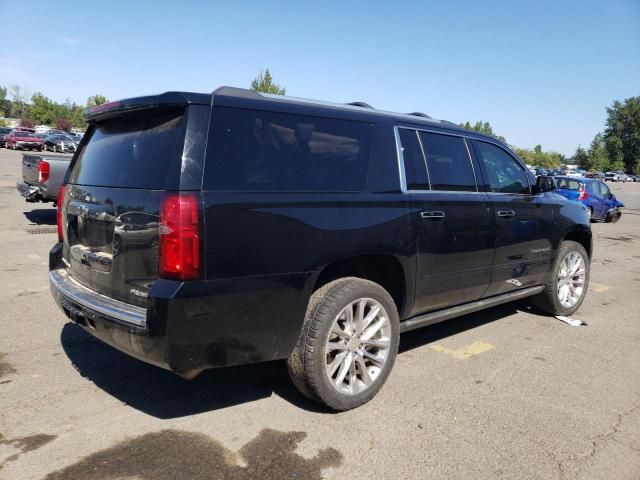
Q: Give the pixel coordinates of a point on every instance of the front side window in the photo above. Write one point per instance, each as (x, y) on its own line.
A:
(504, 173)
(448, 162)
(251, 150)
(415, 170)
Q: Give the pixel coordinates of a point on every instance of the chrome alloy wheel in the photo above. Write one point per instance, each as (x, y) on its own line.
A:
(571, 278)
(357, 346)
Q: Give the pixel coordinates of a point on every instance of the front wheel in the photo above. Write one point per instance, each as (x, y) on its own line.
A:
(567, 285)
(348, 343)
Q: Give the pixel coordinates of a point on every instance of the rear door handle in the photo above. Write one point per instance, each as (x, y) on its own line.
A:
(506, 213)
(432, 215)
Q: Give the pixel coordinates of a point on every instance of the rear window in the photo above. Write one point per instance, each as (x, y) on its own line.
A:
(252, 150)
(568, 184)
(141, 150)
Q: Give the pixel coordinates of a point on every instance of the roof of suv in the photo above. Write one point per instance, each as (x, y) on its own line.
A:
(361, 109)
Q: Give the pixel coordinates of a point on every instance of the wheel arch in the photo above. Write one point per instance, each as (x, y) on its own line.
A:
(583, 237)
(384, 269)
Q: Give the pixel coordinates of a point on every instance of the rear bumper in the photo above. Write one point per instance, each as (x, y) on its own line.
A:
(191, 326)
(116, 323)
(29, 192)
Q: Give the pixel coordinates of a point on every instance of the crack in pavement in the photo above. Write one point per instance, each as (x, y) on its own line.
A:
(597, 441)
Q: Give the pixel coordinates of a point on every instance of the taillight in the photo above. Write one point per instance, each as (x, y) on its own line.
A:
(583, 193)
(44, 169)
(179, 237)
(59, 218)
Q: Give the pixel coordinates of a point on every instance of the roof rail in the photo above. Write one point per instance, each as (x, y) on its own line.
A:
(360, 104)
(419, 114)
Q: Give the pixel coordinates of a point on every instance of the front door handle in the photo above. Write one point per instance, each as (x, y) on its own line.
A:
(432, 215)
(506, 213)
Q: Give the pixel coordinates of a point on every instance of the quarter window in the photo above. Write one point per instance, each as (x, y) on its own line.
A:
(503, 172)
(448, 162)
(415, 170)
(255, 150)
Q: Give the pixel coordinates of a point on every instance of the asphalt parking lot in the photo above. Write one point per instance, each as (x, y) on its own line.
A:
(505, 393)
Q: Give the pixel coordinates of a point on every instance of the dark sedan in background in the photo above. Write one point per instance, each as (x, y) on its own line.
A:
(60, 143)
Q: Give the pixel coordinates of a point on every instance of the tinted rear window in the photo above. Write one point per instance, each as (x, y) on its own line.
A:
(252, 150)
(568, 184)
(141, 150)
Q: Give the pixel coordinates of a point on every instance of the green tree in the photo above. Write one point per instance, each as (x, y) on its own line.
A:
(539, 158)
(264, 83)
(622, 134)
(598, 157)
(96, 99)
(581, 158)
(5, 105)
(42, 109)
(482, 127)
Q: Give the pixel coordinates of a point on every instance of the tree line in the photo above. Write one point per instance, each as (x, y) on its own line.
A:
(616, 148)
(39, 109)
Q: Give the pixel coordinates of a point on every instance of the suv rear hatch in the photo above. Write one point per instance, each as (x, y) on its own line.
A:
(127, 165)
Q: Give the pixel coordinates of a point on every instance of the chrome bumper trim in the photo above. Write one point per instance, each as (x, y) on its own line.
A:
(85, 297)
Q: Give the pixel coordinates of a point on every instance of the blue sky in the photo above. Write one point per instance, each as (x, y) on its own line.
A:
(539, 71)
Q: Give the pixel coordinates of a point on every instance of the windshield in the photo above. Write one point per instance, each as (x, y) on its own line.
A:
(25, 134)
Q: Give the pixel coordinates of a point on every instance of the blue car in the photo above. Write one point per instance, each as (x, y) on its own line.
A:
(592, 193)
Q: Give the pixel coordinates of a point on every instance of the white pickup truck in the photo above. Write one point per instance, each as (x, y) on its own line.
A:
(42, 176)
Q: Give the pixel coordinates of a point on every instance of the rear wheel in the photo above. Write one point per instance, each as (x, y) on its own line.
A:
(348, 343)
(567, 285)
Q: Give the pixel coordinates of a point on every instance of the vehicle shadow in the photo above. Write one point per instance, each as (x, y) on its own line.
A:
(165, 395)
(42, 216)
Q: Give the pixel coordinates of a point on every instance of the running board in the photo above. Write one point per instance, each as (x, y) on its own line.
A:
(447, 313)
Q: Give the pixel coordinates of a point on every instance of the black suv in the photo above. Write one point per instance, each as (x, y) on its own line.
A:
(206, 230)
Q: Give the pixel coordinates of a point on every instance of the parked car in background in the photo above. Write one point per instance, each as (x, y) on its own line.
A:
(592, 193)
(42, 176)
(22, 140)
(398, 221)
(596, 175)
(635, 178)
(3, 132)
(60, 143)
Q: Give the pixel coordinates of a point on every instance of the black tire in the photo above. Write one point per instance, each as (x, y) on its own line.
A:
(307, 363)
(548, 300)
(613, 217)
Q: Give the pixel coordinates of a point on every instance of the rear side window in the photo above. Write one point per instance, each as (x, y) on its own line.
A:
(448, 162)
(415, 170)
(141, 150)
(504, 173)
(251, 150)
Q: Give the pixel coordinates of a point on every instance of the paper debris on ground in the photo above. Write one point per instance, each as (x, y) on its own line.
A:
(571, 321)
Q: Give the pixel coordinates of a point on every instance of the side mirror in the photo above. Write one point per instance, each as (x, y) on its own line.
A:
(544, 183)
